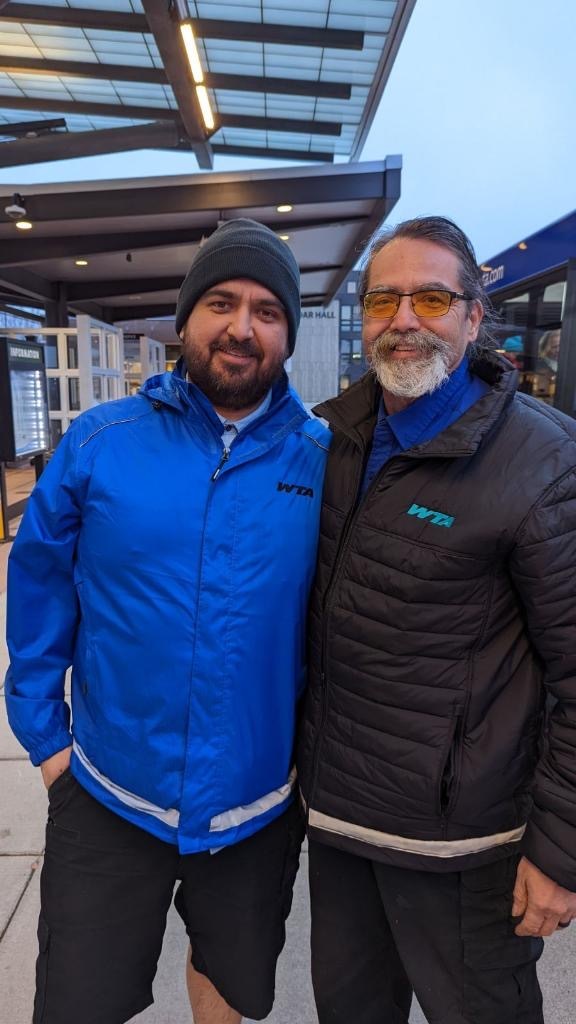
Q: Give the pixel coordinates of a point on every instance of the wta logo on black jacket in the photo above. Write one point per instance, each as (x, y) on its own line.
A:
(304, 492)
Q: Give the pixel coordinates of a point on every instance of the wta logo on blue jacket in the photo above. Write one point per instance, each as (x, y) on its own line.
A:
(305, 492)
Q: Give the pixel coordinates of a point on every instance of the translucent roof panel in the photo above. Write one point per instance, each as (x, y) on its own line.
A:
(279, 51)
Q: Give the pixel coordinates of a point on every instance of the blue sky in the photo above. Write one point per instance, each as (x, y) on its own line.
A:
(480, 104)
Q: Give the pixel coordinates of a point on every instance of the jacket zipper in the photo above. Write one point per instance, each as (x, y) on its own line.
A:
(346, 535)
(223, 460)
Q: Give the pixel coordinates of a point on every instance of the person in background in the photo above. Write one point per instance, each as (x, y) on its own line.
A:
(438, 747)
(167, 554)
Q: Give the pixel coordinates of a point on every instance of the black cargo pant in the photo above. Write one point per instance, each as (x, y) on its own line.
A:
(380, 933)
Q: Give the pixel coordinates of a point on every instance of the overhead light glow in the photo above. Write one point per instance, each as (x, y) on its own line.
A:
(24, 225)
(522, 245)
(192, 53)
(81, 263)
(204, 102)
(284, 237)
(284, 208)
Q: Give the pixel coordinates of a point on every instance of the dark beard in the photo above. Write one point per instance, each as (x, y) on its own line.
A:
(231, 391)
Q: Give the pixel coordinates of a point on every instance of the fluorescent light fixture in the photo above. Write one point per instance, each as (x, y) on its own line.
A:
(24, 225)
(192, 53)
(284, 208)
(204, 102)
(81, 263)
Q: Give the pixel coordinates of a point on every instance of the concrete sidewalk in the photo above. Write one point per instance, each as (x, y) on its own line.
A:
(22, 819)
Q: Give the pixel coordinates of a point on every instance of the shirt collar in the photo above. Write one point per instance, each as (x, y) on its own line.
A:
(412, 424)
(242, 423)
(254, 415)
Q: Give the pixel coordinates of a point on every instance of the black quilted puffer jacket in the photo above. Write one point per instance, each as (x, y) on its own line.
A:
(439, 729)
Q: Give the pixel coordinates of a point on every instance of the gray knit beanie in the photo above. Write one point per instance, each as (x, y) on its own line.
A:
(244, 248)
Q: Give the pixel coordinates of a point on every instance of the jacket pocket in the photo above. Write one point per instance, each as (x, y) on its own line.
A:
(448, 779)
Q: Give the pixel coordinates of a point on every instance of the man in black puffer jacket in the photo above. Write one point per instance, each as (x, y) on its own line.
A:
(437, 752)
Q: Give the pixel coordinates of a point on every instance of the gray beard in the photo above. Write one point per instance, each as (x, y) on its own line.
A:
(411, 378)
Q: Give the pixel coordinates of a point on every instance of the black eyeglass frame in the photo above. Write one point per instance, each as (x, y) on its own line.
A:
(419, 291)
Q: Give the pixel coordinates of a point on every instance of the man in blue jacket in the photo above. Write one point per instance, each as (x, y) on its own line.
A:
(167, 555)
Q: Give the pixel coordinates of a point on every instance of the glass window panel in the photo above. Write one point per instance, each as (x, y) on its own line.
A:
(55, 432)
(9, 50)
(230, 12)
(306, 17)
(96, 356)
(72, 348)
(551, 305)
(74, 394)
(97, 388)
(54, 401)
(86, 56)
(51, 354)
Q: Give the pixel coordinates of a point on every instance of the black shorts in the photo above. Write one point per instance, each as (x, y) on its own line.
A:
(106, 888)
(380, 933)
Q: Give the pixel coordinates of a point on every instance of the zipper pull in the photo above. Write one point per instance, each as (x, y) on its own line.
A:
(223, 460)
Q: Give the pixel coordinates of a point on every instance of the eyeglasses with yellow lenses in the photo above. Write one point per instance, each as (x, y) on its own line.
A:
(428, 302)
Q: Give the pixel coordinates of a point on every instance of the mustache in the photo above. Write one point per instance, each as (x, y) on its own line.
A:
(424, 343)
(233, 348)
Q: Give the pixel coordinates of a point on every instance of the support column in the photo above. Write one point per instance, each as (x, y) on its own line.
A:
(57, 312)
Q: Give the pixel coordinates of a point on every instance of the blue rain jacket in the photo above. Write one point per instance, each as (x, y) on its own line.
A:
(176, 585)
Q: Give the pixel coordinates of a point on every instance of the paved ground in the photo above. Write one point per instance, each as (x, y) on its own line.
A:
(22, 815)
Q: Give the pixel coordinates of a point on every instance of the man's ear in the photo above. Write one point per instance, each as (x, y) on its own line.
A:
(474, 319)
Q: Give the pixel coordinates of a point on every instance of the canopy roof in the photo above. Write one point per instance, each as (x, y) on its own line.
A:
(137, 238)
(286, 79)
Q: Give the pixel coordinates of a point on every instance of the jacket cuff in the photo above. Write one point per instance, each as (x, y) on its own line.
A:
(42, 751)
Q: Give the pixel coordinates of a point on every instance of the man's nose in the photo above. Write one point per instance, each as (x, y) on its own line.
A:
(240, 326)
(405, 318)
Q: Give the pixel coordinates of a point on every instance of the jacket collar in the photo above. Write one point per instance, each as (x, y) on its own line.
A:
(355, 411)
(286, 412)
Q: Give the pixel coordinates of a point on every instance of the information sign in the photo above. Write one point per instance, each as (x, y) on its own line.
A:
(24, 420)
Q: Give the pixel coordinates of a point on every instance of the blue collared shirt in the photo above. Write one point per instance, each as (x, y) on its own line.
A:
(423, 419)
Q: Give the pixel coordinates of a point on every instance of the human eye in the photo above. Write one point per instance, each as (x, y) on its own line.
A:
(381, 303)
(219, 305)
(433, 298)
(269, 314)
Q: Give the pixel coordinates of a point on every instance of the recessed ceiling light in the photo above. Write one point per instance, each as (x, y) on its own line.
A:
(81, 263)
(284, 208)
(24, 225)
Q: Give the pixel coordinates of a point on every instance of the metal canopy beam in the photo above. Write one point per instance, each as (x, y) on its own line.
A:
(280, 124)
(107, 289)
(24, 282)
(86, 109)
(74, 17)
(205, 195)
(70, 246)
(113, 314)
(157, 76)
(284, 35)
(128, 286)
(264, 153)
(76, 144)
(168, 40)
(31, 128)
(204, 28)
